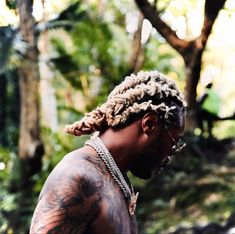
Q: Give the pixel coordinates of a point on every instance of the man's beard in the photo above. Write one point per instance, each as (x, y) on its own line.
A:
(146, 171)
(147, 165)
(141, 171)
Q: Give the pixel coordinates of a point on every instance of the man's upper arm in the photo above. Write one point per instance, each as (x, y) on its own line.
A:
(68, 202)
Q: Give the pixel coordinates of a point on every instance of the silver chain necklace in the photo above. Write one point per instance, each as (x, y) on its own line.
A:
(98, 145)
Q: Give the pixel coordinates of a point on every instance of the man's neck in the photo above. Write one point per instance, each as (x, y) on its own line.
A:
(122, 146)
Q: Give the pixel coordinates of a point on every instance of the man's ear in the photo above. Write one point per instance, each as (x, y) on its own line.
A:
(149, 123)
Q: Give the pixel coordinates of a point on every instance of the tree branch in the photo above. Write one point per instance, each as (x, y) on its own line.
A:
(151, 13)
(211, 12)
(136, 58)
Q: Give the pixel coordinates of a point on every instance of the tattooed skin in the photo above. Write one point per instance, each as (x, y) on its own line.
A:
(80, 196)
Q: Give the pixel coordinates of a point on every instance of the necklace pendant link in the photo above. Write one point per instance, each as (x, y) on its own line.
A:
(132, 204)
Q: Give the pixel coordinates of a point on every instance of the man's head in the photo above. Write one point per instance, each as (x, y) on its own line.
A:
(155, 102)
(157, 145)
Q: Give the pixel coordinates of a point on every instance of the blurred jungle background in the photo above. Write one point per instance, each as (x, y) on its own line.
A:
(60, 59)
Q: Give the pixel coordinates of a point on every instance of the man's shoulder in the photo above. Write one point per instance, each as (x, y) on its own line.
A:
(81, 156)
(70, 197)
(77, 169)
(82, 163)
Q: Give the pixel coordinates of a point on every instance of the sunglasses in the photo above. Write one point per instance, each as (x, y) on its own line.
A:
(177, 145)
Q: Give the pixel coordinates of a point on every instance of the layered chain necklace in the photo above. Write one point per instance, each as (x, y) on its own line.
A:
(98, 145)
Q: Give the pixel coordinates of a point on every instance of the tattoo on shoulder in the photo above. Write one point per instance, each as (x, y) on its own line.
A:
(69, 202)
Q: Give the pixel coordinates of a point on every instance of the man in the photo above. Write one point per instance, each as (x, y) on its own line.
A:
(208, 107)
(139, 128)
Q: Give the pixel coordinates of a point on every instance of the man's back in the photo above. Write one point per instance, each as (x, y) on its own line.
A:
(80, 196)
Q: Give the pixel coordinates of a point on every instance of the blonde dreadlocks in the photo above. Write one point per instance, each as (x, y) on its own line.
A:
(145, 91)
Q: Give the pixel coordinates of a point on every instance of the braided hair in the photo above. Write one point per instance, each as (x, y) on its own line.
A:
(140, 93)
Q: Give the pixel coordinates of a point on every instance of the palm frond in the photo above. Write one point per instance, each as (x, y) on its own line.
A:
(11, 4)
(73, 14)
(65, 63)
(53, 24)
(12, 48)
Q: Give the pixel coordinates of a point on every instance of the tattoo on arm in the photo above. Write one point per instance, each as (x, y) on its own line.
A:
(68, 204)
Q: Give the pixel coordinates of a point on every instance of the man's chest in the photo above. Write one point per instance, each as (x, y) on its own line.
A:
(112, 219)
(113, 216)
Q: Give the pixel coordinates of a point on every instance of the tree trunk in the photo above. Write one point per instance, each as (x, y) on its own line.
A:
(30, 148)
(29, 140)
(137, 52)
(193, 62)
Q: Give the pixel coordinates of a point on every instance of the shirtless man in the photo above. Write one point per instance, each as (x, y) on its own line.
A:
(139, 128)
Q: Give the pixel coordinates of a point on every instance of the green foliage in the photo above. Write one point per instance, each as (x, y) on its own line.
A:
(224, 129)
(11, 202)
(7, 199)
(7, 35)
(163, 58)
(196, 188)
(11, 4)
(94, 55)
(74, 12)
(13, 48)
(58, 145)
(9, 89)
(94, 48)
(69, 17)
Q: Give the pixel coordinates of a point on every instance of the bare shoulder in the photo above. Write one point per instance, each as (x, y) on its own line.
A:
(71, 195)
